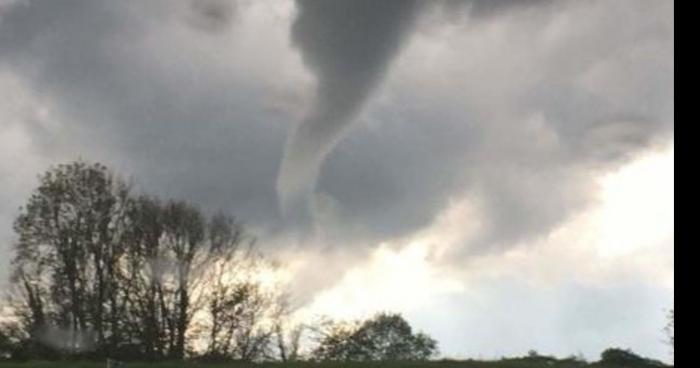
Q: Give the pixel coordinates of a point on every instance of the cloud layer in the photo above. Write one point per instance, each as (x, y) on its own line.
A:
(512, 104)
(382, 115)
(348, 45)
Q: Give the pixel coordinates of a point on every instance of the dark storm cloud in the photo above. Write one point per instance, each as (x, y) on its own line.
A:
(164, 114)
(212, 15)
(518, 119)
(486, 8)
(348, 45)
(515, 106)
(522, 137)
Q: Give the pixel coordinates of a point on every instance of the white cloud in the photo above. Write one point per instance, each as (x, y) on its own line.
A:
(22, 113)
(565, 290)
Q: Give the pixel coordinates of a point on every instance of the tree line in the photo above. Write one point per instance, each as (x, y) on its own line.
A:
(101, 272)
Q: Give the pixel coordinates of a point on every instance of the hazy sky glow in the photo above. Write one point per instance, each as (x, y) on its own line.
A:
(500, 171)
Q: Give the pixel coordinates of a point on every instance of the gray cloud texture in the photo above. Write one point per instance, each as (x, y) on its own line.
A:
(133, 97)
(212, 15)
(515, 105)
(519, 114)
(388, 111)
(348, 45)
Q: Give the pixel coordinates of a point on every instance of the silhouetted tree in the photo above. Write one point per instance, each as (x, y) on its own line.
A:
(6, 345)
(287, 335)
(183, 238)
(335, 340)
(65, 265)
(670, 327)
(615, 357)
(386, 337)
(98, 269)
(238, 315)
(670, 330)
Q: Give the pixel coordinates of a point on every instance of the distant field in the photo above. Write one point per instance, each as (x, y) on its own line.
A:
(442, 364)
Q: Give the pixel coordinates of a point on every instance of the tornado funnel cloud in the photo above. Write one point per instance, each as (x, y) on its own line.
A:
(348, 46)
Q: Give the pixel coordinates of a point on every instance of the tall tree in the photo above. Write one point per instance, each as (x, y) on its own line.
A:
(235, 313)
(184, 237)
(70, 234)
(98, 269)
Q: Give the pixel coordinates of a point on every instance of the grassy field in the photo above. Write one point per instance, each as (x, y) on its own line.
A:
(440, 364)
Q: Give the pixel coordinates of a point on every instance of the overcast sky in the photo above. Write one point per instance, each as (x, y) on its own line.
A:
(500, 171)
